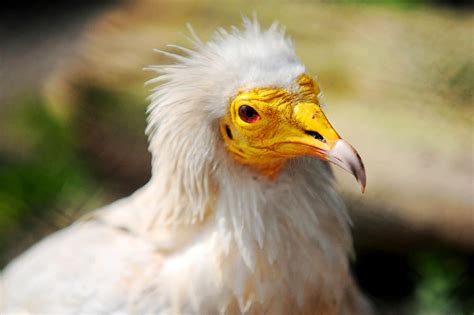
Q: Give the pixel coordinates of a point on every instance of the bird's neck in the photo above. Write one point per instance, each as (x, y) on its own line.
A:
(260, 214)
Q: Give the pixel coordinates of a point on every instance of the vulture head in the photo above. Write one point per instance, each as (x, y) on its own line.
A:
(248, 92)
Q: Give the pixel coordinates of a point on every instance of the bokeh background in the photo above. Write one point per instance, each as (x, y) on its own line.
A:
(398, 80)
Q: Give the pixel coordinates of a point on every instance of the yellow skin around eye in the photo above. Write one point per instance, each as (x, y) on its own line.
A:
(282, 130)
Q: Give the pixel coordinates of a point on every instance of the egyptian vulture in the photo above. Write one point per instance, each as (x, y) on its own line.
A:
(240, 214)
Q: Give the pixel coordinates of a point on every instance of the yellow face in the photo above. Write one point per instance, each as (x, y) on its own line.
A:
(264, 127)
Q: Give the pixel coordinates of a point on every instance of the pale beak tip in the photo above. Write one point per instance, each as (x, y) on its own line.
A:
(359, 174)
(362, 181)
(345, 156)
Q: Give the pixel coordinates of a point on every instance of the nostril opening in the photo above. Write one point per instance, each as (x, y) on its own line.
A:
(316, 135)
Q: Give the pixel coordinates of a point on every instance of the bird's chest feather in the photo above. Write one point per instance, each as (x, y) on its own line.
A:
(230, 266)
(262, 246)
(209, 278)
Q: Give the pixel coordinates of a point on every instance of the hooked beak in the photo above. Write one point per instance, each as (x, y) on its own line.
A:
(320, 140)
(346, 157)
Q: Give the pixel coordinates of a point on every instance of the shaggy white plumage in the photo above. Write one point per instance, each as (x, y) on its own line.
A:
(206, 235)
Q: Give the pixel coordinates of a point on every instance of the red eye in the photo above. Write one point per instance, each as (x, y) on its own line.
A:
(248, 114)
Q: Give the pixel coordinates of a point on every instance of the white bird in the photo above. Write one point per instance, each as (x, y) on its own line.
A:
(240, 214)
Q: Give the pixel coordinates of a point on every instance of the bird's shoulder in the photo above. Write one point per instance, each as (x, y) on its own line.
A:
(88, 265)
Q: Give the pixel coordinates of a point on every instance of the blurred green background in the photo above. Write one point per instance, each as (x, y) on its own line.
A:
(398, 80)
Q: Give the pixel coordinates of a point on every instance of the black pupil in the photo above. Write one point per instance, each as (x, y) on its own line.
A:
(247, 111)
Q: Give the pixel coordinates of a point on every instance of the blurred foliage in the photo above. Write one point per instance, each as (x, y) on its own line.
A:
(42, 184)
(398, 3)
(412, 3)
(444, 284)
(110, 127)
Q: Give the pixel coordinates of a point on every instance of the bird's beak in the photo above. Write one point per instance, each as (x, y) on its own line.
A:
(345, 156)
(319, 139)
